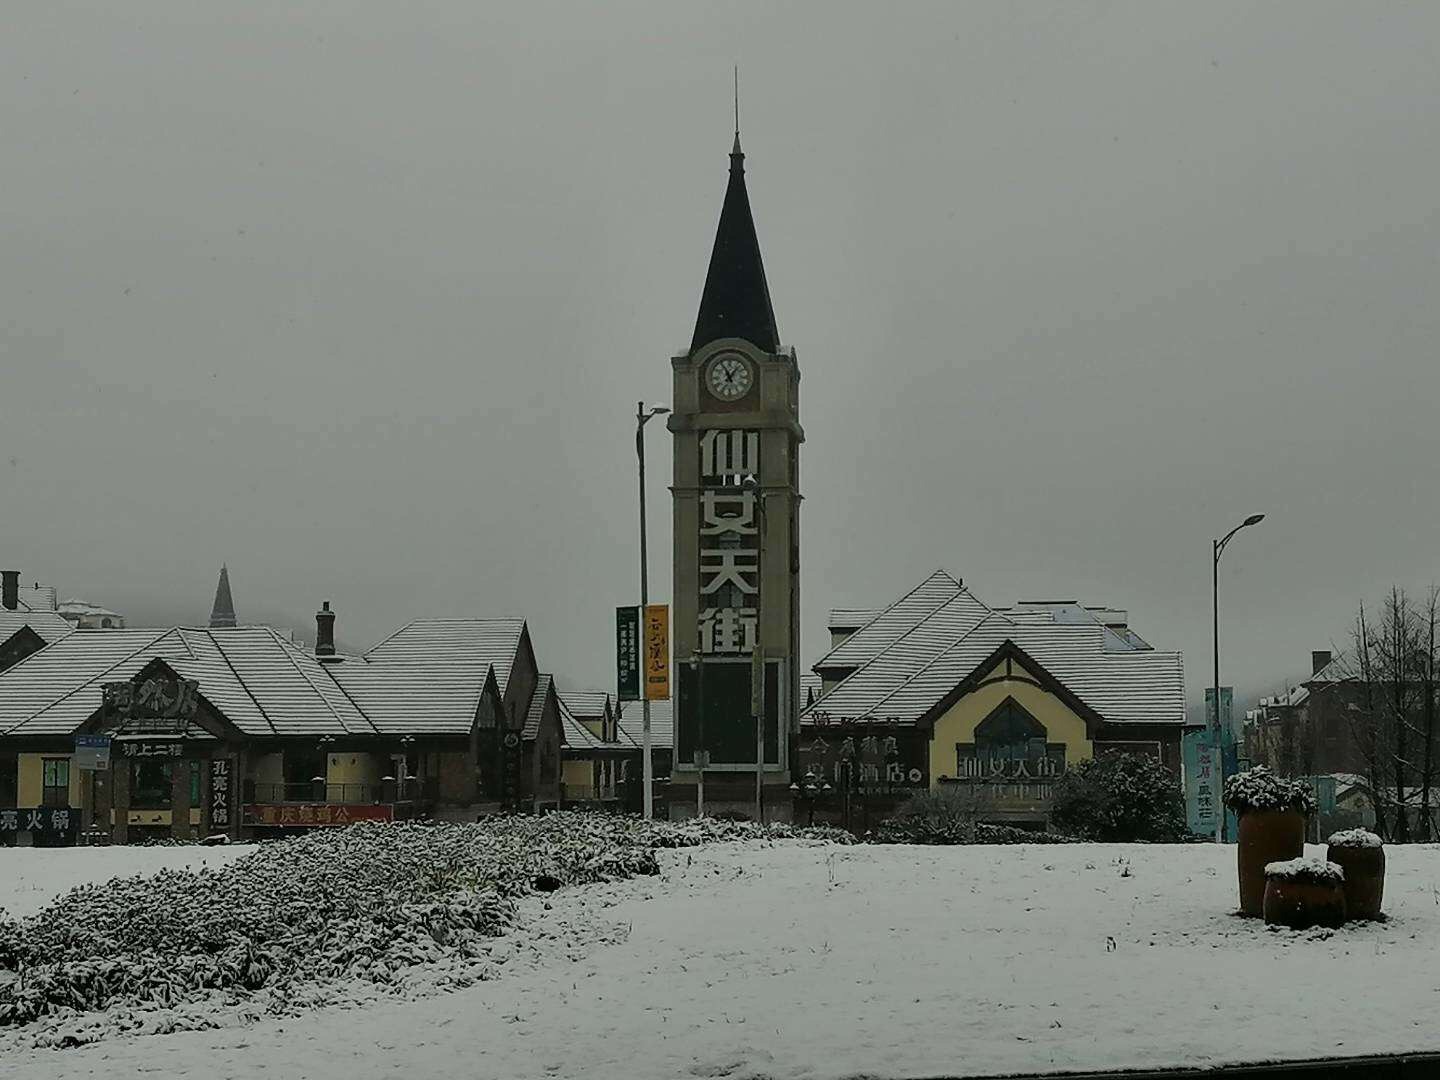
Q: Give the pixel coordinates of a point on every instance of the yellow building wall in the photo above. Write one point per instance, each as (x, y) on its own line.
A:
(579, 780)
(353, 768)
(1062, 724)
(30, 780)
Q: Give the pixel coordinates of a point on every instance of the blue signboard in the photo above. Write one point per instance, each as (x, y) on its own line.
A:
(1203, 780)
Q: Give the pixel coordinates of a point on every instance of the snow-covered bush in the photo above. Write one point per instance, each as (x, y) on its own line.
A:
(1307, 870)
(1260, 789)
(370, 902)
(949, 816)
(1116, 797)
(1360, 838)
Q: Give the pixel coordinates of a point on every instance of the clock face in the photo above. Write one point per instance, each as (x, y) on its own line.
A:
(729, 377)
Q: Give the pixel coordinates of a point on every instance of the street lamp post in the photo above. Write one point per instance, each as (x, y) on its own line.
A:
(1218, 548)
(642, 416)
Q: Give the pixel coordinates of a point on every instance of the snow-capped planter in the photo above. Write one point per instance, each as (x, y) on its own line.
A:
(1361, 854)
(1272, 813)
(1301, 893)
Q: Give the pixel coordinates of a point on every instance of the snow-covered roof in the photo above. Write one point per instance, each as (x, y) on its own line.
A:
(48, 625)
(579, 737)
(662, 723)
(37, 597)
(586, 704)
(849, 618)
(535, 714)
(264, 684)
(432, 644)
(417, 681)
(910, 656)
(76, 608)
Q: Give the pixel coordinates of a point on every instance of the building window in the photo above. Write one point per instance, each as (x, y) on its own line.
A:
(151, 785)
(1010, 744)
(56, 782)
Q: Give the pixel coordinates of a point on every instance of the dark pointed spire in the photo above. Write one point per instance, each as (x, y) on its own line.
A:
(736, 300)
(223, 613)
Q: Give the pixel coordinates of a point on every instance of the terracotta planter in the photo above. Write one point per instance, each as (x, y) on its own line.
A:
(1303, 904)
(1266, 836)
(1364, 878)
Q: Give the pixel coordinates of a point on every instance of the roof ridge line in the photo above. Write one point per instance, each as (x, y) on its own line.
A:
(938, 657)
(295, 663)
(243, 685)
(928, 616)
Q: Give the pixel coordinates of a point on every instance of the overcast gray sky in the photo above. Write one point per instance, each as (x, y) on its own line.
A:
(359, 298)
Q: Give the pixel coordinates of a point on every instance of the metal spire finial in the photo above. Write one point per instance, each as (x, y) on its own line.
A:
(736, 149)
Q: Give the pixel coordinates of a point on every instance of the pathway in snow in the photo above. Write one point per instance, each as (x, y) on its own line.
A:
(799, 961)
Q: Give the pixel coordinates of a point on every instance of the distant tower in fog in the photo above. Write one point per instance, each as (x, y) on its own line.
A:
(222, 614)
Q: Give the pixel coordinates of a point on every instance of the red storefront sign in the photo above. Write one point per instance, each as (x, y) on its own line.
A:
(310, 814)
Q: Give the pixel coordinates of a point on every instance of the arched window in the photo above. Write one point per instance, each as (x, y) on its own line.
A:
(1010, 743)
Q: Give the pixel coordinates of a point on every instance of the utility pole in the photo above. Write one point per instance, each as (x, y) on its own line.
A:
(647, 767)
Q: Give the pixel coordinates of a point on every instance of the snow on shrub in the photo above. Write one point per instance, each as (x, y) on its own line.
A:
(1309, 870)
(1355, 838)
(1260, 789)
(1118, 797)
(370, 902)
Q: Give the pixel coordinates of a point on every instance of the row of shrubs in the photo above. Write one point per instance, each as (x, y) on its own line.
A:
(1112, 798)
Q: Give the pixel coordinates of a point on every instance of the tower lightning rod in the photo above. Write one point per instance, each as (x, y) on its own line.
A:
(737, 101)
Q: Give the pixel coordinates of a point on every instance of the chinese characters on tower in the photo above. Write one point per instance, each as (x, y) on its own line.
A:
(729, 542)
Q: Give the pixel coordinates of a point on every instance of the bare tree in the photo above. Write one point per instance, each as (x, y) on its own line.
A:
(1364, 728)
(1428, 706)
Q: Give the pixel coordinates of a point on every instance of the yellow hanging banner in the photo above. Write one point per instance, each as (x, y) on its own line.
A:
(657, 652)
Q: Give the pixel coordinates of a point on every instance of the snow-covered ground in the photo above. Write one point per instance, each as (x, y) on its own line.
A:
(32, 877)
(797, 960)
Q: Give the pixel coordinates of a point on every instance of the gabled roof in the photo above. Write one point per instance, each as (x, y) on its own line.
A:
(586, 704)
(575, 734)
(263, 683)
(736, 300)
(48, 625)
(932, 639)
(662, 723)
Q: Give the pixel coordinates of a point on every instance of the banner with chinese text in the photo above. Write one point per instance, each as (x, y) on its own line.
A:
(657, 652)
(627, 653)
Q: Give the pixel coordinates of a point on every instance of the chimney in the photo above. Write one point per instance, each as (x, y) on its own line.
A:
(1318, 661)
(324, 631)
(10, 590)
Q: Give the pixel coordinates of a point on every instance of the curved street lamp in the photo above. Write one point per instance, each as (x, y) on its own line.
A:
(643, 416)
(1218, 548)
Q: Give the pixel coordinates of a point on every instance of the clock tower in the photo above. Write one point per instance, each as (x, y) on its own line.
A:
(737, 436)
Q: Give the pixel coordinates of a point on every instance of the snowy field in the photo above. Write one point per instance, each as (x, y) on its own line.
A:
(32, 877)
(798, 960)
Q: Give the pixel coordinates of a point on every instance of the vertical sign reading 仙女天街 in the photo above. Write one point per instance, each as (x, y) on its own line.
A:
(627, 653)
(729, 542)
